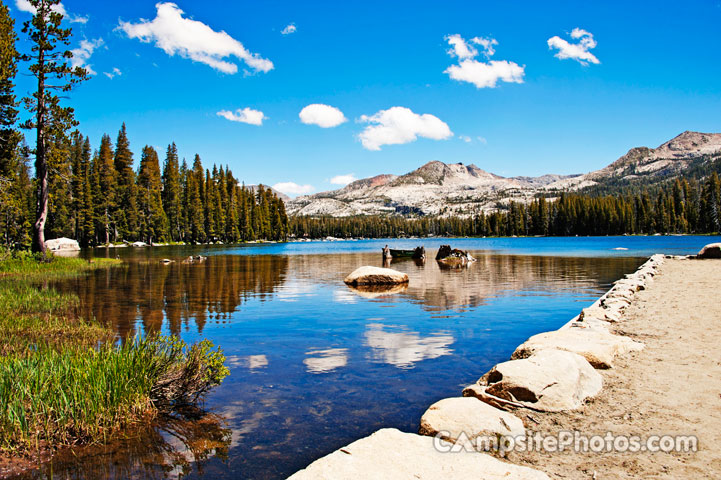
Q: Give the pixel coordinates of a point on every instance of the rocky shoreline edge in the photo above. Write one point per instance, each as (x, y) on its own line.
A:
(464, 436)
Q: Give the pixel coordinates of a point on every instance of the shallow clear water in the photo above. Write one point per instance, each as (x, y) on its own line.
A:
(315, 364)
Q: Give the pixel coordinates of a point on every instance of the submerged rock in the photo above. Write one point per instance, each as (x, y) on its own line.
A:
(62, 244)
(469, 421)
(391, 454)
(597, 346)
(375, 276)
(712, 250)
(549, 380)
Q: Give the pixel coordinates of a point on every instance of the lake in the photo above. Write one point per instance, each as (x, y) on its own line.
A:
(315, 364)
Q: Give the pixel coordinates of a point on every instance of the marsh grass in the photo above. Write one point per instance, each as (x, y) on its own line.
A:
(65, 381)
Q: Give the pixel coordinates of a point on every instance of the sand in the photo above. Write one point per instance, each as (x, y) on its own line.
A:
(672, 387)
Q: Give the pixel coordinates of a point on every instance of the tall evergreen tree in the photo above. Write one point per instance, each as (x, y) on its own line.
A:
(9, 136)
(153, 222)
(105, 197)
(172, 191)
(127, 207)
(49, 63)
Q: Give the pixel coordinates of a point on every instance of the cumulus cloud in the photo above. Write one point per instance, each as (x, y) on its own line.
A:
(82, 54)
(322, 115)
(194, 40)
(400, 125)
(486, 75)
(459, 47)
(244, 115)
(292, 188)
(576, 51)
(115, 73)
(481, 74)
(26, 6)
(343, 179)
(487, 44)
(290, 28)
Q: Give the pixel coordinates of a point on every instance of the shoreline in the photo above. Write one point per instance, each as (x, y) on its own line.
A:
(459, 424)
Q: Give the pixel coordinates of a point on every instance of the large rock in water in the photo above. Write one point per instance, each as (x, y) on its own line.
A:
(712, 250)
(376, 276)
(470, 422)
(549, 380)
(389, 454)
(595, 345)
(62, 244)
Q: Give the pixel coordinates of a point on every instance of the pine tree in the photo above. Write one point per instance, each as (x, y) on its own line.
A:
(9, 136)
(172, 204)
(105, 193)
(87, 215)
(153, 222)
(50, 63)
(127, 207)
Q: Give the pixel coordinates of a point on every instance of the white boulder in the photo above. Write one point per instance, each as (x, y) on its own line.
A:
(469, 421)
(376, 276)
(389, 454)
(62, 244)
(549, 380)
(597, 346)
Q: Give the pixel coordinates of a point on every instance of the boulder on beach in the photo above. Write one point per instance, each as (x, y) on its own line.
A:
(597, 346)
(549, 380)
(62, 244)
(392, 454)
(138, 244)
(712, 250)
(473, 423)
(375, 276)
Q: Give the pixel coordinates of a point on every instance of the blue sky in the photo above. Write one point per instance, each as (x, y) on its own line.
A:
(546, 87)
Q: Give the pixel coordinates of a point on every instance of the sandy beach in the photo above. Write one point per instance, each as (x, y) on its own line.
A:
(672, 387)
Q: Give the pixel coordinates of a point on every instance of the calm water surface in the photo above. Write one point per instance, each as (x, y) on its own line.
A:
(315, 364)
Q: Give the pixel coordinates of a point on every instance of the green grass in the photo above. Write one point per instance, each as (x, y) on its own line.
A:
(65, 381)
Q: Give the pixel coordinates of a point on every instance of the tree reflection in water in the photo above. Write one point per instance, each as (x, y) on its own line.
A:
(173, 447)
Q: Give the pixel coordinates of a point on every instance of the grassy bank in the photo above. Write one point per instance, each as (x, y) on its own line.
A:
(64, 381)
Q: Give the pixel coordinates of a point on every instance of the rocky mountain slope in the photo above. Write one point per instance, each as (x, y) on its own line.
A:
(437, 188)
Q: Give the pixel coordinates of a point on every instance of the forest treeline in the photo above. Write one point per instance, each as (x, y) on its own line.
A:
(98, 197)
(679, 206)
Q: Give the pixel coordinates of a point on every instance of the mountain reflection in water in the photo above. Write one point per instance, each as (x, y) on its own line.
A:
(315, 364)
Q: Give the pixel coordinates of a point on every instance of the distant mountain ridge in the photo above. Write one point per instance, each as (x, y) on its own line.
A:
(437, 188)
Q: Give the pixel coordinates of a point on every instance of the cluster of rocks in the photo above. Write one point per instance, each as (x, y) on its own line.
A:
(453, 257)
(550, 372)
(193, 259)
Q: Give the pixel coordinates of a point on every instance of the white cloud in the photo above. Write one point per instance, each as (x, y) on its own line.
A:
(482, 140)
(465, 138)
(400, 125)
(481, 74)
(82, 54)
(459, 47)
(292, 188)
(484, 75)
(290, 28)
(244, 115)
(115, 73)
(26, 6)
(575, 51)
(343, 179)
(487, 44)
(322, 115)
(193, 39)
